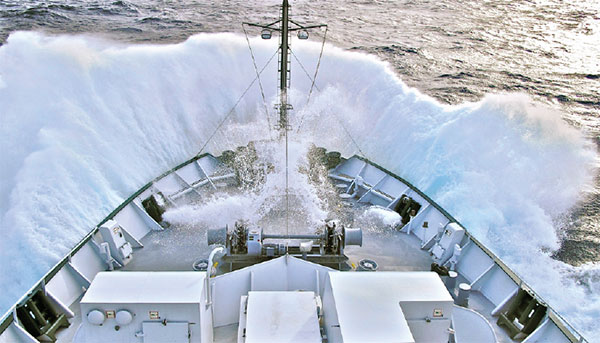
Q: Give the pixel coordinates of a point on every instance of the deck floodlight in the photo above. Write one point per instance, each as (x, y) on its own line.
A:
(266, 34)
(302, 34)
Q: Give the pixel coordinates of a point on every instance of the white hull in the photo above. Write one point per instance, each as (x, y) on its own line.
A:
(493, 285)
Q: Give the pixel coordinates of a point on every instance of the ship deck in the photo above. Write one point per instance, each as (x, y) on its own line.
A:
(176, 248)
(372, 206)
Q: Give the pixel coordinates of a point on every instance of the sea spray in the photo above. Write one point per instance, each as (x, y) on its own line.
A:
(86, 122)
(264, 202)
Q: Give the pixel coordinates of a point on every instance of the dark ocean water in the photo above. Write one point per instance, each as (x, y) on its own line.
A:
(452, 50)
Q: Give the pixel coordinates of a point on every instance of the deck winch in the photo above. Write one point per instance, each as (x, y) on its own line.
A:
(247, 245)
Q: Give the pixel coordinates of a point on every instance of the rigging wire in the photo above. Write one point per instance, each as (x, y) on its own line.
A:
(287, 189)
(313, 85)
(336, 116)
(350, 136)
(234, 106)
(262, 92)
(314, 78)
(305, 71)
(286, 131)
(318, 65)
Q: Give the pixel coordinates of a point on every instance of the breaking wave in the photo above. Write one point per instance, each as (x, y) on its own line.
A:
(85, 122)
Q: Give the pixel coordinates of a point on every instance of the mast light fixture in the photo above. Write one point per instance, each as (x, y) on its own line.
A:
(266, 34)
(302, 34)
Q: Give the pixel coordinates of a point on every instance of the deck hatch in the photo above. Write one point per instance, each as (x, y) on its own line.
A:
(282, 317)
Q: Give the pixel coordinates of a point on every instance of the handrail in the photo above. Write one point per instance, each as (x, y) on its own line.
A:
(7, 318)
(567, 329)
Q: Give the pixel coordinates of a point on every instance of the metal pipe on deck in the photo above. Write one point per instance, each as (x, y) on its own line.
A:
(274, 236)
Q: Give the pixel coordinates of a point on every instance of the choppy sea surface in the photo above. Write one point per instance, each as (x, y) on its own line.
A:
(516, 113)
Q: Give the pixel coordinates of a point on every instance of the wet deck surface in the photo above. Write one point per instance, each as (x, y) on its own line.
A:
(177, 247)
(226, 334)
(479, 303)
(173, 249)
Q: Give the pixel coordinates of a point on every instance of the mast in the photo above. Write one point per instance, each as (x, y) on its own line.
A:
(284, 55)
(284, 72)
(283, 66)
(283, 105)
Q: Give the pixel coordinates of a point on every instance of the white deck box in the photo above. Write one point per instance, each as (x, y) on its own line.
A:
(160, 304)
(386, 307)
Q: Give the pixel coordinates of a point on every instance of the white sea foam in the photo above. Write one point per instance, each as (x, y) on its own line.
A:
(263, 204)
(382, 217)
(86, 122)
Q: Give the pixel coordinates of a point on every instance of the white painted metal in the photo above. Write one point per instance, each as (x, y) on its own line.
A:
(120, 249)
(163, 298)
(145, 288)
(211, 167)
(218, 251)
(65, 287)
(372, 175)
(504, 302)
(59, 305)
(488, 277)
(78, 275)
(282, 317)
(365, 196)
(443, 249)
(135, 243)
(191, 173)
(546, 332)
(281, 274)
(471, 327)
(350, 168)
(434, 219)
(387, 307)
(171, 332)
(185, 183)
(392, 187)
(497, 286)
(241, 336)
(150, 223)
(415, 223)
(130, 217)
(473, 263)
(88, 262)
(170, 184)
